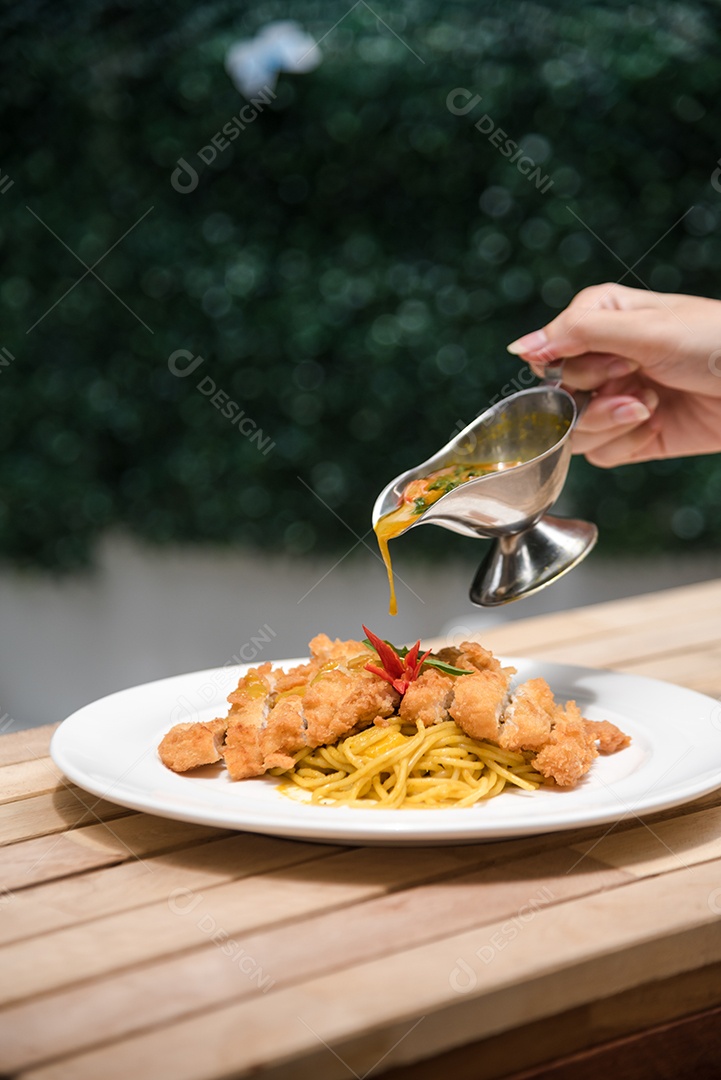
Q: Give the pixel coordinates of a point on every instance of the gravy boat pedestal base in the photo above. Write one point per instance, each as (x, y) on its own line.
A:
(520, 564)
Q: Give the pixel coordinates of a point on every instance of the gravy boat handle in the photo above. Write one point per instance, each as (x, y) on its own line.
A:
(553, 376)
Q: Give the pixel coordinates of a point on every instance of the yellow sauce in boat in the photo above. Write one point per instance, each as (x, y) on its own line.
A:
(417, 496)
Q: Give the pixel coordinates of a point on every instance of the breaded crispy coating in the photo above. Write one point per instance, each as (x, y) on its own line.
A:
(283, 734)
(428, 698)
(469, 655)
(472, 655)
(187, 746)
(296, 677)
(570, 750)
(449, 655)
(339, 703)
(609, 737)
(250, 705)
(255, 684)
(323, 649)
(241, 752)
(529, 716)
(479, 701)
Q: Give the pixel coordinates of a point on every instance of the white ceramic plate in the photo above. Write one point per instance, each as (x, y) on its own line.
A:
(109, 748)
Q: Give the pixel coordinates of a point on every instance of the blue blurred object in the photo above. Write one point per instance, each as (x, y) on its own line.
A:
(254, 65)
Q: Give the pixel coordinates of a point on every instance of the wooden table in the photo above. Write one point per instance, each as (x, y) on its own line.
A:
(132, 946)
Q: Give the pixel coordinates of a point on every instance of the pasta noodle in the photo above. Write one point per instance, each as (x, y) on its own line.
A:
(400, 765)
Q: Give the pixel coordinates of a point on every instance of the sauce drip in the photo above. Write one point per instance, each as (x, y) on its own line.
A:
(417, 496)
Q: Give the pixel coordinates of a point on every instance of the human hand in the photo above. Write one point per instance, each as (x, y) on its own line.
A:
(653, 361)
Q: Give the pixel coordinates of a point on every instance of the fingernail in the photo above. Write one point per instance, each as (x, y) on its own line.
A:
(632, 413)
(621, 367)
(529, 343)
(650, 399)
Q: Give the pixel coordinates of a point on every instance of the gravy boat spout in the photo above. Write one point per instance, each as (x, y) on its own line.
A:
(526, 440)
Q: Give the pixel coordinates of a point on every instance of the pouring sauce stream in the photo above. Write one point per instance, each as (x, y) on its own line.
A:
(417, 496)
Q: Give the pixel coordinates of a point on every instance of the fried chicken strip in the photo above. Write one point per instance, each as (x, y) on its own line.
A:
(529, 717)
(475, 701)
(570, 750)
(610, 738)
(274, 714)
(250, 706)
(479, 699)
(187, 746)
(428, 699)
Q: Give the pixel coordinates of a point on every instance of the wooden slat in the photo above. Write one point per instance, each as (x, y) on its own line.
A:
(698, 668)
(16, 746)
(27, 778)
(141, 881)
(631, 635)
(156, 929)
(658, 848)
(576, 1029)
(679, 837)
(672, 607)
(548, 636)
(65, 808)
(136, 836)
(688, 1047)
(626, 642)
(371, 1010)
(290, 952)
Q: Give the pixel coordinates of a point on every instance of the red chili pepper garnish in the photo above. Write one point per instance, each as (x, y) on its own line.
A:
(400, 673)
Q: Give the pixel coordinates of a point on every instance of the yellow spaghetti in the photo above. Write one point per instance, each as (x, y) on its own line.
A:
(406, 766)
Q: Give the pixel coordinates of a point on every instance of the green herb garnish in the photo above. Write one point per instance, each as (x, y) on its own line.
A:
(443, 484)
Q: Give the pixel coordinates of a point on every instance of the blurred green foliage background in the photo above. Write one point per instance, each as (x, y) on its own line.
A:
(350, 268)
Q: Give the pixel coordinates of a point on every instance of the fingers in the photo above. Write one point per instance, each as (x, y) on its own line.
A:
(628, 323)
(592, 370)
(630, 334)
(641, 443)
(615, 429)
(606, 415)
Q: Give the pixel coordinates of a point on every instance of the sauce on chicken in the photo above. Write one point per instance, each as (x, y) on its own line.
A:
(417, 496)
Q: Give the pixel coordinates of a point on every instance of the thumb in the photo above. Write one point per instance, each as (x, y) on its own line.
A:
(638, 334)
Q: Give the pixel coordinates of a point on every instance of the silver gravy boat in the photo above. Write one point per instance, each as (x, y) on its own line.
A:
(531, 428)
